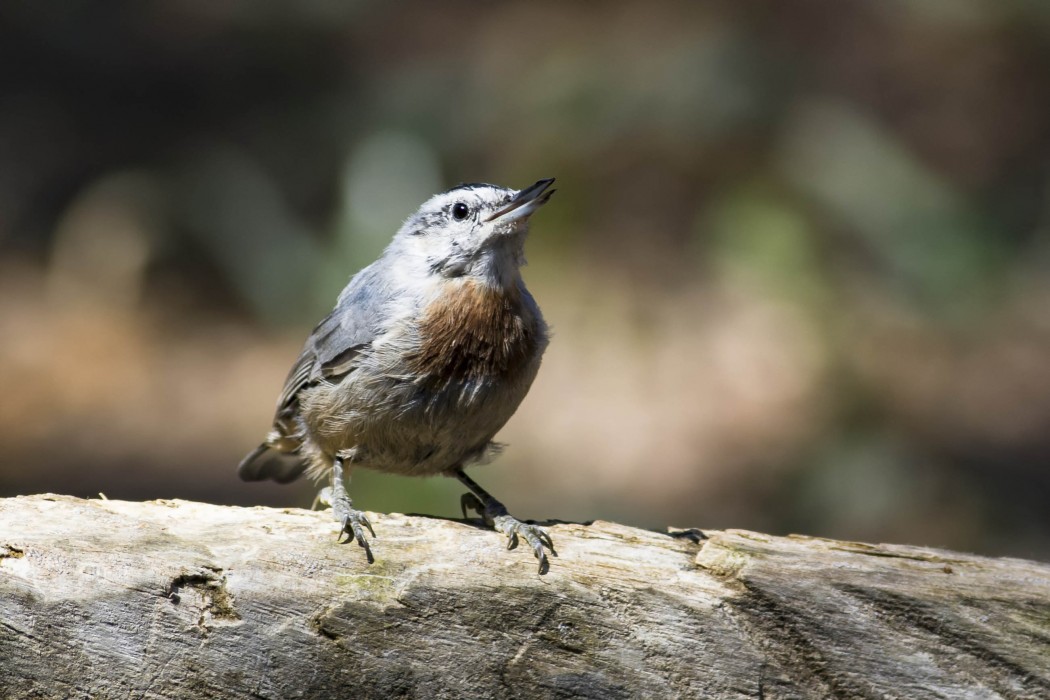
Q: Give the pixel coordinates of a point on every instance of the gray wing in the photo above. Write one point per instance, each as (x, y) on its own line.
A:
(359, 316)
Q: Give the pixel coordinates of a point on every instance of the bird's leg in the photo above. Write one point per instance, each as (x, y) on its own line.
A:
(354, 521)
(496, 517)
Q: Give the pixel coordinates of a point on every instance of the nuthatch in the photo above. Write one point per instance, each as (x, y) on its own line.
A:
(428, 352)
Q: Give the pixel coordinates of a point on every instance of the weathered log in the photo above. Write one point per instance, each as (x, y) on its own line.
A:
(172, 599)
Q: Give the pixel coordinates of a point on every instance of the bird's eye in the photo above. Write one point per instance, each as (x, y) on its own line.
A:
(460, 211)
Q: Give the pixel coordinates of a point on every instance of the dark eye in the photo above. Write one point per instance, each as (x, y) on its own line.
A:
(460, 211)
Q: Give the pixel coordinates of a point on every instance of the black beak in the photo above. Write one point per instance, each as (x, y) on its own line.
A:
(525, 201)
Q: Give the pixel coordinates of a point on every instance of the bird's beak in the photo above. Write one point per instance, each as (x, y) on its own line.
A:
(524, 202)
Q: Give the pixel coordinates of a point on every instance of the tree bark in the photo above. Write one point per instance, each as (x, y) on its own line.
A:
(172, 599)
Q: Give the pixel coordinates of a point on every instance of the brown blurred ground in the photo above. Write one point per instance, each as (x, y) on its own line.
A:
(798, 267)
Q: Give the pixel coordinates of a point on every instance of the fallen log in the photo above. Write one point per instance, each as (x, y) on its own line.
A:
(173, 599)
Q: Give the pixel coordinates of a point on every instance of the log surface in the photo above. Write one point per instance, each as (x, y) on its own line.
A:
(173, 599)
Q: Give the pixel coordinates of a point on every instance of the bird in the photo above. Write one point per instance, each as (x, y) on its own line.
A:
(427, 354)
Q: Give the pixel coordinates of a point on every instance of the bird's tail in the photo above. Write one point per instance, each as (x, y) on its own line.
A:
(265, 462)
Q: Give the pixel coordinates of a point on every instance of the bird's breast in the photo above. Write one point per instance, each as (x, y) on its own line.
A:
(474, 332)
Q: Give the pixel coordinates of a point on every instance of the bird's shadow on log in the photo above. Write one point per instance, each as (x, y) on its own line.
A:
(692, 534)
(479, 523)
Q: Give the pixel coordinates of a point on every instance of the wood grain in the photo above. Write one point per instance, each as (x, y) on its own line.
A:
(172, 599)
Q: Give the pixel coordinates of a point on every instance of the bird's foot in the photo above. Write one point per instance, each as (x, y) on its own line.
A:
(354, 522)
(497, 517)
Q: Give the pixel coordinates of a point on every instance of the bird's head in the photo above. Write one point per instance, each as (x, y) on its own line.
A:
(475, 230)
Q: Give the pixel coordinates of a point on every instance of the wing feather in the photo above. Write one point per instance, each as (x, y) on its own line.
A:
(331, 350)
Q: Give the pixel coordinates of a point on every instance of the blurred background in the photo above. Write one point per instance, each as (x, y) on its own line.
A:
(798, 266)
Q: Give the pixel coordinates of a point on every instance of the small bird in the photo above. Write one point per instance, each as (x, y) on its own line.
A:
(427, 354)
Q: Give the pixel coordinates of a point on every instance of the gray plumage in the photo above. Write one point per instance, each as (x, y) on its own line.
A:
(428, 351)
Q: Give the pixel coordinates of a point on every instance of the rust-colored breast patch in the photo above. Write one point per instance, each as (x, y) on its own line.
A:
(473, 332)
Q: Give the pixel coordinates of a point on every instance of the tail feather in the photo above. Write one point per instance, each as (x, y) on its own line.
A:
(264, 462)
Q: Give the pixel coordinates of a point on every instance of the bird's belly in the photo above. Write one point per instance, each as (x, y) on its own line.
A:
(410, 427)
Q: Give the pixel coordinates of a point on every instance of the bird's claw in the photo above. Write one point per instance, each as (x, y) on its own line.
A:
(496, 517)
(323, 498)
(354, 524)
(536, 537)
(469, 501)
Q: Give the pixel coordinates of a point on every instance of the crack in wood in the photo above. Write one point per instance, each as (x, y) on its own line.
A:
(210, 584)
